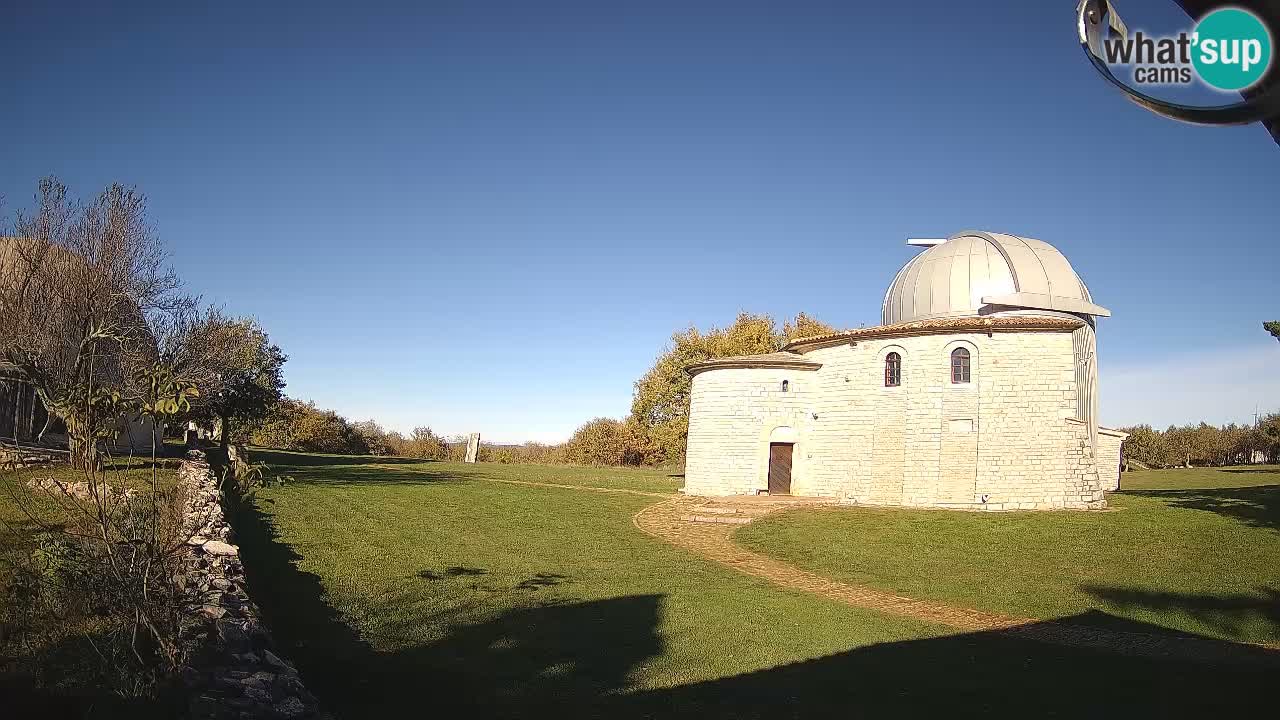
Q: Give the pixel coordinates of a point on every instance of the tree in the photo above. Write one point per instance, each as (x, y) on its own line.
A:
(378, 440)
(85, 292)
(605, 441)
(1273, 328)
(294, 425)
(804, 326)
(237, 368)
(1141, 446)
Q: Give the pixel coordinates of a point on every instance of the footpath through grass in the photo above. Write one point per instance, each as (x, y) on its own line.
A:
(1187, 550)
(405, 589)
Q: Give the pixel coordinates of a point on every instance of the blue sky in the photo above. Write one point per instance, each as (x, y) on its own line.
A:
(492, 215)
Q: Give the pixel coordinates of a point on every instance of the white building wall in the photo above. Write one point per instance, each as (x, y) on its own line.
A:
(737, 410)
(1109, 443)
(1001, 442)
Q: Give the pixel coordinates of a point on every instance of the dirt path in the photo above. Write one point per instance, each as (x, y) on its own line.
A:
(669, 521)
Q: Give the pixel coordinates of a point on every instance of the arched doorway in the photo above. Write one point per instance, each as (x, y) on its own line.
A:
(782, 443)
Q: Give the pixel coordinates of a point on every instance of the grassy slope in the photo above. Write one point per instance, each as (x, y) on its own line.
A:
(63, 657)
(407, 589)
(18, 502)
(1194, 550)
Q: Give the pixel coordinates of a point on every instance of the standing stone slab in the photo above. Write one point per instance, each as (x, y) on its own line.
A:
(473, 447)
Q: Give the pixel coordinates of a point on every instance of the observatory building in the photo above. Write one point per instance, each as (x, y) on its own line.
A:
(979, 391)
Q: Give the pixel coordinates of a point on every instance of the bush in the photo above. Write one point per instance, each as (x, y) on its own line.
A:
(294, 425)
(605, 441)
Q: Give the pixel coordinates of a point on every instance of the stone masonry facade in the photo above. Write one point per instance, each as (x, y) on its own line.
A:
(1007, 440)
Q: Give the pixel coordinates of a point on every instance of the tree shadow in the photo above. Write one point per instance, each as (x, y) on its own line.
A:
(1254, 506)
(1265, 470)
(452, 572)
(587, 660)
(988, 674)
(298, 459)
(1227, 614)
(542, 580)
(338, 471)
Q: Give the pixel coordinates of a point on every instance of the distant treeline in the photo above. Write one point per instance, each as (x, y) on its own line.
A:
(653, 434)
(297, 425)
(1204, 444)
(656, 430)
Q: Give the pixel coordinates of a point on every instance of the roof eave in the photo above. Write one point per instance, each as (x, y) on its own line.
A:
(798, 364)
(939, 326)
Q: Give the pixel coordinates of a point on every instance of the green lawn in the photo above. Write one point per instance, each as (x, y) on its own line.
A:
(1193, 550)
(410, 589)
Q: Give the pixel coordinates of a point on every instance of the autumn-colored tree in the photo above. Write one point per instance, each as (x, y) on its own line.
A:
(804, 326)
(605, 441)
(237, 369)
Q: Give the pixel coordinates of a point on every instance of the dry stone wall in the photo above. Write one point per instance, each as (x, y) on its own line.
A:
(236, 673)
(1003, 441)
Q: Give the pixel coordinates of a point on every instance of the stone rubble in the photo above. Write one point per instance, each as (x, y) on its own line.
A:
(78, 489)
(235, 673)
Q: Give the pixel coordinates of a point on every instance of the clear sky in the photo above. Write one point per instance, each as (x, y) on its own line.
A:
(491, 216)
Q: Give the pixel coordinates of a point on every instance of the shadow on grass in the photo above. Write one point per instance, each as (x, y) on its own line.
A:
(289, 458)
(529, 657)
(1265, 469)
(345, 470)
(582, 659)
(1228, 614)
(1255, 506)
(451, 572)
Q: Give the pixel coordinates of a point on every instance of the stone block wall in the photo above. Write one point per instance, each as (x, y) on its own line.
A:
(1109, 454)
(1001, 442)
(235, 673)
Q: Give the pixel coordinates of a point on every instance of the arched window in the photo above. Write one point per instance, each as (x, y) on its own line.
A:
(786, 385)
(960, 365)
(892, 370)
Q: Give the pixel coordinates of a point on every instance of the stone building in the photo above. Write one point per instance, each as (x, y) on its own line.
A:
(978, 391)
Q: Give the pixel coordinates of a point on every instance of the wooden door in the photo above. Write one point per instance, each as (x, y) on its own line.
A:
(780, 468)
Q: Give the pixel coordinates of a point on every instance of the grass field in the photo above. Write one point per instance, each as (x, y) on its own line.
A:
(20, 506)
(404, 589)
(1193, 550)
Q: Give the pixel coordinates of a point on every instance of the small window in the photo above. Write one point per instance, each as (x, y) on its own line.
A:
(786, 385)
(960, 365)
(892, 370)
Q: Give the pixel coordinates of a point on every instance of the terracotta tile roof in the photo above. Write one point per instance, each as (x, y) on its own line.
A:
(765, 360)
(938, 326)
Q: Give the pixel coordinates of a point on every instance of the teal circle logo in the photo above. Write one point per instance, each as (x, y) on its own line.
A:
(1231, 49)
